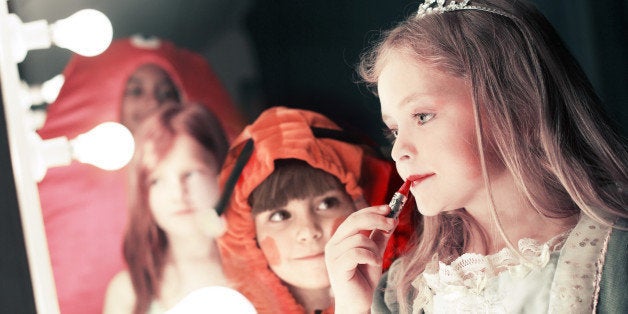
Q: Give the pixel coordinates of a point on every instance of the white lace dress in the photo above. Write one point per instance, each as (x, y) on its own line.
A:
(560, 276)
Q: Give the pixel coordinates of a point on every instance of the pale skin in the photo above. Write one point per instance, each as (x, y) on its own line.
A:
(293, 239)
(183, 187)
(148, 89)
(430, 114)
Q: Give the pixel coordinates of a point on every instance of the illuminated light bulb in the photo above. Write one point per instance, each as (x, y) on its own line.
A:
(50, 89)
(39, 94)
(108, 146)
(215, 299)
(87, 32)
(47, 92)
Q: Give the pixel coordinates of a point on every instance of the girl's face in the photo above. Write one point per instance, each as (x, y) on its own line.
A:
(293, 237)
(183, 189)
(148, 88)
(431, 115)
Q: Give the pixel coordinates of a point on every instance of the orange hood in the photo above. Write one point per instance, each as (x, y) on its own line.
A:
(281, 133)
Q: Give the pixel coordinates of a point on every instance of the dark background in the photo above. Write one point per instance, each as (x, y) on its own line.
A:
(286, 52)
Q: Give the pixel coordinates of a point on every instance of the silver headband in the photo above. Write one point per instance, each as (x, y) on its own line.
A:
(438, 6)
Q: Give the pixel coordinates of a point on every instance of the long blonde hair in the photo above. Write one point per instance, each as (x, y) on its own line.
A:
(541, 112)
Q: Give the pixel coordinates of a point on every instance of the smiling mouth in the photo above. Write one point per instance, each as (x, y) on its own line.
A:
(186, 211)
(311, 257)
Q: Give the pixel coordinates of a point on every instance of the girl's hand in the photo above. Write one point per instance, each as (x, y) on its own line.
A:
(354, 260)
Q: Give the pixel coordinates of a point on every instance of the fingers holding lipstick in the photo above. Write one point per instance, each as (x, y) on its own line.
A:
(364, 221)
(354, 260)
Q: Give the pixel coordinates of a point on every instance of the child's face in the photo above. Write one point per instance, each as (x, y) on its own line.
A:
(293, 237)
(148, 88)
(431, 114)
(182, 188)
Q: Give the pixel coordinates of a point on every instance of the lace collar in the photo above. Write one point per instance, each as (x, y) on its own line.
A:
(575, 279)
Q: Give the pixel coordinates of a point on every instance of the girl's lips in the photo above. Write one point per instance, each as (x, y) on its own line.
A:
(416, 178)
(185, 212)
(313, 256)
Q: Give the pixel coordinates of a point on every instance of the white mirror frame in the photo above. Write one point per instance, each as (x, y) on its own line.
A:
(39, 265)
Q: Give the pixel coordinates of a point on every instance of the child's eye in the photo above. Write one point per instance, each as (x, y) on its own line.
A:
(279, 215)
(152, 182)
(134, 91)
(190, 174)
(169, 93)
(423, 118)
(390, 134)
(328, 202)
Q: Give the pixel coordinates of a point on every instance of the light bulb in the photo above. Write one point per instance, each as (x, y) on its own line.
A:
(47, 92)
(108, 146)
(87, 32)
(217, 298)
(38, 94)
(50, 89)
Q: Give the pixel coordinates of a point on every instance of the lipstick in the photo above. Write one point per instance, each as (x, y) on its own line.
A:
(396, 203)
(399, 199)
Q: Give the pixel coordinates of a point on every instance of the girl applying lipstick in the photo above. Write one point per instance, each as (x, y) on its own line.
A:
(518, 172)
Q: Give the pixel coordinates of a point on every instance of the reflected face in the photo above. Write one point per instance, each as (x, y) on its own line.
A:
(183, 189)
(430, 114)
(148, 89)
(293, 237)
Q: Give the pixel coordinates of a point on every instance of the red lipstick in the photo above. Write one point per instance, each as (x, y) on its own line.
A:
(399, 199)
(396, 203)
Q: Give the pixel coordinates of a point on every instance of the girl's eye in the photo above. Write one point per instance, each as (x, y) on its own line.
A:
(328, 203)
(168, 93)
(279, 215)
(152, 182)
(391, 134)
(190, 174)
(133, 91)
(423, 118)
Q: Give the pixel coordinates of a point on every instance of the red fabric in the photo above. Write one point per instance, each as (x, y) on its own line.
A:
(84, 207)
(286, 133)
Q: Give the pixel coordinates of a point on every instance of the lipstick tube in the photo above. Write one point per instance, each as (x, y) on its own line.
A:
(396, 203)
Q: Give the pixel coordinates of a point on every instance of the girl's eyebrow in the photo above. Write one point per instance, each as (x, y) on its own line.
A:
(406, 100)
(134, 79)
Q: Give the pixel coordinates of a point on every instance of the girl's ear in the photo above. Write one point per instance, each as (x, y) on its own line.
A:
(360, 203)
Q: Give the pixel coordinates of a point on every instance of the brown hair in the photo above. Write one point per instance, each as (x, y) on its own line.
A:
(145, 244)
(291, 179)
(533, 104)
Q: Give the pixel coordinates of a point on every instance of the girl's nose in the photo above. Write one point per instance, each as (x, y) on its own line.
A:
(177, 191)
(403, 147)
(308, 229)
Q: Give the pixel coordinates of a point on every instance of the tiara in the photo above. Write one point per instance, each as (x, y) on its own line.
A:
(438, 6)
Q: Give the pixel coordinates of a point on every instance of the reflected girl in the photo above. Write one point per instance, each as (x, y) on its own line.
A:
(169, 243)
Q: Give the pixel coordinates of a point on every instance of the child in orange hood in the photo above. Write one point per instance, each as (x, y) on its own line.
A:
(292, 177)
